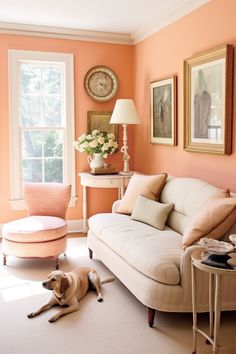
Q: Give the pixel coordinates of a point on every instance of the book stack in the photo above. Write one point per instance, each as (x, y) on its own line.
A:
(218, 260)
(109, 170)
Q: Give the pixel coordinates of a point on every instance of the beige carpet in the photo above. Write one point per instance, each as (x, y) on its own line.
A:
(116, 326)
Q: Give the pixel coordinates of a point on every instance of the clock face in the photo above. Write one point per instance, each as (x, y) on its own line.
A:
(101, 83)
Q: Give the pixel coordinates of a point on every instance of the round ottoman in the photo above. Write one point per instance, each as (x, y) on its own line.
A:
(35, 237)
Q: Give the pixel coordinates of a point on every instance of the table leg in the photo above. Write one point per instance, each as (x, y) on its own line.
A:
(194, 307)
(119, 193)
(84, 210)
(211, 302)
(122, 188)
(217, 312)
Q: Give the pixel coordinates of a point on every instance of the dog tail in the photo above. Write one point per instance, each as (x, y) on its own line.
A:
(107, 280)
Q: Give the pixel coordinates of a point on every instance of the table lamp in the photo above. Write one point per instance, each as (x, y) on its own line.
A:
(125, 113)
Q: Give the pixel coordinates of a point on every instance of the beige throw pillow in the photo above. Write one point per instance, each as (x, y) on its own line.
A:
(148, 186)
(213, 219)
(151, 212)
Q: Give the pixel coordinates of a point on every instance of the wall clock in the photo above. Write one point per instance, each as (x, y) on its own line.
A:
(101, 83)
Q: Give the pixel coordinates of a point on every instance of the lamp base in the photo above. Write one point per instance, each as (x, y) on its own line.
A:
(126, 173)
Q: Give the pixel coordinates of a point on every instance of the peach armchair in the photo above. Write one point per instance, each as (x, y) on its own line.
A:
(42, 234)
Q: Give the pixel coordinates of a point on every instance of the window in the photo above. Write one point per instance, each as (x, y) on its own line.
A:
(42, 120)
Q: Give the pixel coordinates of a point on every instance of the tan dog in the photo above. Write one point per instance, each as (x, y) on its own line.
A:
(69, 288)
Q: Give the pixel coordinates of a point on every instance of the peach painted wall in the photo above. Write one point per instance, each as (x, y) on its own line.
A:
(86, 55)
(161, 55)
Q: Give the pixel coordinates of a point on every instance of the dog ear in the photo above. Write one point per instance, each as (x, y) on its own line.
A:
(64, 285)
(51, 274)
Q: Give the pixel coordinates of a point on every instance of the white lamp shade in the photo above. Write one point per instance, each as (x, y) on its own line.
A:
(125, 112)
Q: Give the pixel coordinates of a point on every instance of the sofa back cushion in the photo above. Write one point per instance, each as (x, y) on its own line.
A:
(187, 195)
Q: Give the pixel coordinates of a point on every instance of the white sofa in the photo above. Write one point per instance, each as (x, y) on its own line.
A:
(152, 263)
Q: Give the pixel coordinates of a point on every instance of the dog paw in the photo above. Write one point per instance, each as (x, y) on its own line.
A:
(52, 319)
(30, 315)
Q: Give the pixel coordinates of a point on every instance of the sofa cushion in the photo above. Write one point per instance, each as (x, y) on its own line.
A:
(187, 194)
(213, 219)
(35, 229)
(149, 186)
(151, 212)
(153, 252)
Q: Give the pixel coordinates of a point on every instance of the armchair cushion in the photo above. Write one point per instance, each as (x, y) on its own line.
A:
(49, 199)
(35, 229)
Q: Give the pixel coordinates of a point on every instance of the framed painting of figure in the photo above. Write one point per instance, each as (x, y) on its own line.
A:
(163, 111)
(208, 89)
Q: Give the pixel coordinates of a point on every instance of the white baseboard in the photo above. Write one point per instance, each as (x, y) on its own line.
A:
(73, 226)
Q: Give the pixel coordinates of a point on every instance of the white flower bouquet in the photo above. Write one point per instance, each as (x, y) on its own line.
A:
(97, 143)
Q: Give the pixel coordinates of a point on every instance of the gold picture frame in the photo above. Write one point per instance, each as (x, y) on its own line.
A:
(101, 121)
(208, 101)
(163, 111)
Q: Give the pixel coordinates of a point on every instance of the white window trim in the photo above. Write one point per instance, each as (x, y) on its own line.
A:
(14, 58)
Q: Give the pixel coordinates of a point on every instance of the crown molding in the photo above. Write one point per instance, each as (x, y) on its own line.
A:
(181, 9)
(64, 33)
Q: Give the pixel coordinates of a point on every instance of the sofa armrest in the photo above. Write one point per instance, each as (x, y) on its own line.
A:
(185, 264)
(115, 206)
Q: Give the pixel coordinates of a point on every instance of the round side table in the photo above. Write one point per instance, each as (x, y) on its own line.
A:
(215, 277)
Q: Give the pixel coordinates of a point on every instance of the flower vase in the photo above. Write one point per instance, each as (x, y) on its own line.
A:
(95, 161)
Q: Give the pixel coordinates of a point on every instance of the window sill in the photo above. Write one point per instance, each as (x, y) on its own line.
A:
(19, 204)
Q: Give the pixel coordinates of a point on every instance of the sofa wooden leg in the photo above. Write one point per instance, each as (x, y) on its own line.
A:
(151, 315)
(90, 253)
(4, 259)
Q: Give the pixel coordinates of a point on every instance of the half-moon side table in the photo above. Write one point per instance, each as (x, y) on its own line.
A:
(101, 181)
(215, 277)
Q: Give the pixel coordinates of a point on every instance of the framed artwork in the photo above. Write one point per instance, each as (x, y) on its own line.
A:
(101, 121)
(163, 111)
(208, 90)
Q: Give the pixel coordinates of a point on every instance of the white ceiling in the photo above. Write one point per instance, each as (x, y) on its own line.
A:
(136, 18)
